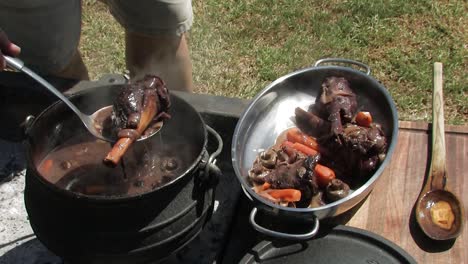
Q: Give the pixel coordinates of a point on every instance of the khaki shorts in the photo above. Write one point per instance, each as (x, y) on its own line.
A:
(48, 31)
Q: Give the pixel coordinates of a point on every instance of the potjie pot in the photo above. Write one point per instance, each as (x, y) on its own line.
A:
(119, 229)
(270, 113)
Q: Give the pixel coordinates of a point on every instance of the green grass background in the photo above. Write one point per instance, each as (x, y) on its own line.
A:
(240, 46)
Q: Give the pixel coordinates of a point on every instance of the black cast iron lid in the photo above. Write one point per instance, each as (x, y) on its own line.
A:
(343, 244)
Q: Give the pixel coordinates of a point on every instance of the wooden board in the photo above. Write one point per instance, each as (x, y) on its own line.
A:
(388, 210)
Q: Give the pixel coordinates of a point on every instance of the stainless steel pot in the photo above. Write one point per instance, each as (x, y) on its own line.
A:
(271, 112)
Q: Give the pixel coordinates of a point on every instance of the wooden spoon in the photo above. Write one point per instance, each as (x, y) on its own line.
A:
(438, 211)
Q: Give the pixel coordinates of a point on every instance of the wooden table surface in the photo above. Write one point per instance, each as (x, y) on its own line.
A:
(388, 210)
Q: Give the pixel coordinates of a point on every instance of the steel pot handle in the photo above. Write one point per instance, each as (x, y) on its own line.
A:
(282, 235)
(360, 64)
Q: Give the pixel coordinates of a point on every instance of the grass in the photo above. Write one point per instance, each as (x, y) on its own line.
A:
(239, 47)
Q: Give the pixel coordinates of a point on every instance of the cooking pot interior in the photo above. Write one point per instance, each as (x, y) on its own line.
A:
(182, 137)
(272, 111)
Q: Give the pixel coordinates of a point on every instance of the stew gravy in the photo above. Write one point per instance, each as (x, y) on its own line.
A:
(77, 166)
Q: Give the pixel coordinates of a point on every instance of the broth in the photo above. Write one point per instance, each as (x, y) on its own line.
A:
(77, 166)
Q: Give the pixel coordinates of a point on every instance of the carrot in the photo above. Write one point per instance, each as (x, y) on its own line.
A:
(285, 195)
(289, 147)
(295, 135)
(262, 188)
(364, 119)
(46, 166)
(266, 186)
(324, 175)
(305, 149)
(265, 195)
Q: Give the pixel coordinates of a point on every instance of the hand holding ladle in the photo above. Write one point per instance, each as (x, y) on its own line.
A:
(439, 213)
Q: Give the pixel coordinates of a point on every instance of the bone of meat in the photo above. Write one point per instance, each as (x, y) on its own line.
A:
(310, 123)
(137, 106)
(337, 102)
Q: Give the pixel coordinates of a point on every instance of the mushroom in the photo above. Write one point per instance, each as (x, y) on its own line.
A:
(258, 173)
(336, 190)
(268, 158)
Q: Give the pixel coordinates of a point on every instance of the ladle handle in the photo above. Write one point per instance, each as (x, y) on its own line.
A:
(17, 64)
(437, 177)
(14, 63)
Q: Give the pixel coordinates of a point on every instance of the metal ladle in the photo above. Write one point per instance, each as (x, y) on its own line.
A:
(88, 120)
(439, 213)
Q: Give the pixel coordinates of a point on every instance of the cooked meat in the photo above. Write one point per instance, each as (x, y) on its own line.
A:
(285, 175)
(136, 111)
(130, 102)
(337, 103)
(311, 123)
(356, 152)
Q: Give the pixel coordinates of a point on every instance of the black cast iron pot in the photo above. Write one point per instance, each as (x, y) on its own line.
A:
(118, 229)
(270, 113)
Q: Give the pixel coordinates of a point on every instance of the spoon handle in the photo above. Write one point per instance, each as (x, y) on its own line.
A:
(437, 175)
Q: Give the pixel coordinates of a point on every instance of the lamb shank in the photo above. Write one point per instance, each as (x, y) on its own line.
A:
(137, 109)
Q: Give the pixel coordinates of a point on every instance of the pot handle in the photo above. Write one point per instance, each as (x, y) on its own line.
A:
(27, 124)
(282, 235)
(345, 61)
(209, 175)
(212, 158)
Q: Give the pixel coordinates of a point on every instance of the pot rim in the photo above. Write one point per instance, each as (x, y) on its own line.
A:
(108, 199)
(368, 184)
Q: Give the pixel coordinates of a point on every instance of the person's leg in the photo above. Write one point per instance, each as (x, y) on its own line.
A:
(156, 39)
(75, 69)
(48, 33)
(166, 56)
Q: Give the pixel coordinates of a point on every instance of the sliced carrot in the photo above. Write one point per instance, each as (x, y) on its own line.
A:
(46, 166)
(305, 149)
(295, 135)
(285, 195)
(324, 175)
(267, 196)
(288, 147)
(364, 119)
(266, 186)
